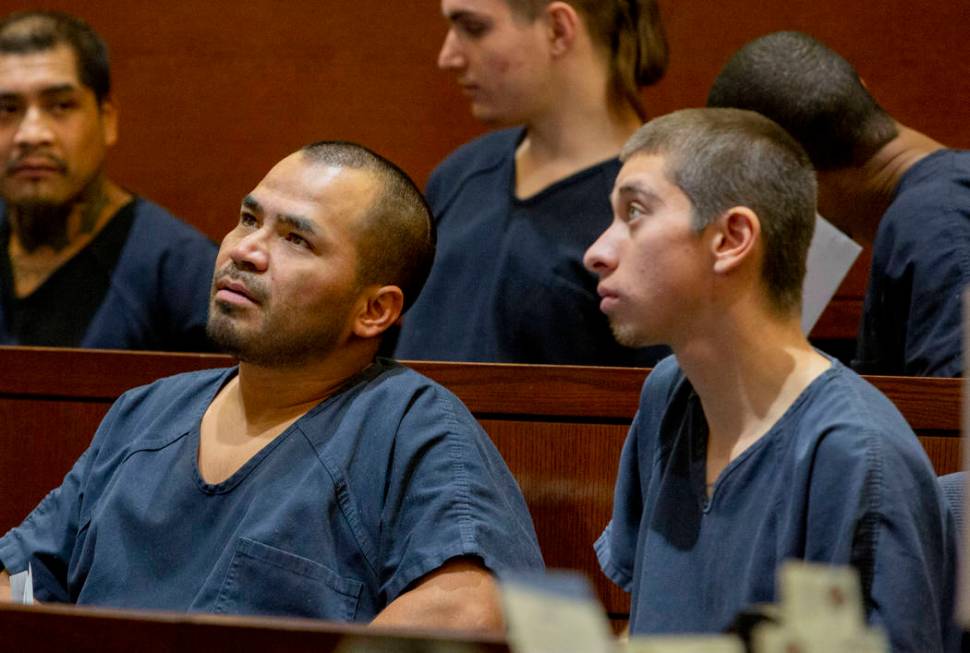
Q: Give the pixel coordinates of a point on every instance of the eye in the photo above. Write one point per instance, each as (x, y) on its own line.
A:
(247, 220)
(62, 106)
(297, 239)
(634, 211)
(9, 109)
(473, 28)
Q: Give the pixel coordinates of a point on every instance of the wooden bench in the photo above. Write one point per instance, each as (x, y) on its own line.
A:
(559, 428)
(55, 629)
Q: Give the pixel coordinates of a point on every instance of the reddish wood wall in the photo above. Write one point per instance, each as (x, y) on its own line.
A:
(213, 92)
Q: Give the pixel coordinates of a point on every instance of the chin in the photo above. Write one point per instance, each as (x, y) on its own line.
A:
(632, 335)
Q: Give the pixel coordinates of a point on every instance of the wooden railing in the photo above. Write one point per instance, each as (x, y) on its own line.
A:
(559, 428)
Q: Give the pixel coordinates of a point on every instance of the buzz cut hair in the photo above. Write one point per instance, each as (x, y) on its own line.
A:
(724, 158)
(397, 235)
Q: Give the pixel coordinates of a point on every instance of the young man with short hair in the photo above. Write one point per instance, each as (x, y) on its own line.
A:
(749, 446)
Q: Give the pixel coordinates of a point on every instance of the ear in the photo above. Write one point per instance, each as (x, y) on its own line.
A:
(109, 121)
(382, 306)
(562, 23)
(737, 232)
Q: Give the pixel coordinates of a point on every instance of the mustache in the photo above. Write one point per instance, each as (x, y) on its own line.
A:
(43, 157)
(255, 285)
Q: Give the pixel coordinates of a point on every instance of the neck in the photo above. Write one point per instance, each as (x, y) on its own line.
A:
(271, 394)
(747, 372)
(582, 123)
(581, 134)
(879, 177)
(57, 227)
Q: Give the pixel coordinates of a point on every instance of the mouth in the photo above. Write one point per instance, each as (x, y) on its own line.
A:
(233, 291)
(468, 89)
(33, 168)
(608, 299)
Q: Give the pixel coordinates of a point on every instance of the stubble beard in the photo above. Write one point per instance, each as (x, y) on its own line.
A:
(628, 335)
(274, 343)
(44, 221)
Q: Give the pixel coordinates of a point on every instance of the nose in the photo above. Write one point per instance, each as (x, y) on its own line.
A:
(451, 57)
(602, 256)
(33, 129)
(249, 252)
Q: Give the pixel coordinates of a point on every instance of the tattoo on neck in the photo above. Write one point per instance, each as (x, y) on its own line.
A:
(38, 225)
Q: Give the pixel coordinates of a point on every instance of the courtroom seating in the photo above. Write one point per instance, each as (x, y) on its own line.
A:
(559, 428)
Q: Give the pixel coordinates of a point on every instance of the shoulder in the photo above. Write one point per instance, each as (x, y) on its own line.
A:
(413, 398)
(937, 188)
(173, 392)
(168, 406)
(481, 155)
(164, 229)
(842, 417)
(662, 382)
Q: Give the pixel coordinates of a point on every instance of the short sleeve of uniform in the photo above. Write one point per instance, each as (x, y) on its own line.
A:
(617, 546)
(449, 494)
(47, 538)
(889, 520)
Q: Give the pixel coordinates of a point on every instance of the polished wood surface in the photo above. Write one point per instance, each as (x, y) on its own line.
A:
(57, 629)
(559, 428)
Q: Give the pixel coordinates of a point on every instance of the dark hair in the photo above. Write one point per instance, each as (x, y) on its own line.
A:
(722, 158)
(397, 241)
(632, 33)
(811, 91)
(24, 32)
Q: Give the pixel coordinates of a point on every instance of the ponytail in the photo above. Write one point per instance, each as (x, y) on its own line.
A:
(639, 50)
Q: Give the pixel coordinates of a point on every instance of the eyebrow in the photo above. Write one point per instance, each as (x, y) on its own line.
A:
(462, 14)
(59, 89)
(49, 91)
(635, 188)
(295, 221)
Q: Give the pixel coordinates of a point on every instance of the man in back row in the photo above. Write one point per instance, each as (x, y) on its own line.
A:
(886, 185)
(750, 447)
(82, 261)
(312, 480)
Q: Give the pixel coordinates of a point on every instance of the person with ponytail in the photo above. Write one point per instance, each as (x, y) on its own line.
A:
(516, 208)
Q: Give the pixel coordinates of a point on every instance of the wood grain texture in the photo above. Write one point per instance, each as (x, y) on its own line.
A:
(55, 629)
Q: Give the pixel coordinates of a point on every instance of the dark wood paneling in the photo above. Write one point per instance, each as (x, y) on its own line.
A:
(566, 472)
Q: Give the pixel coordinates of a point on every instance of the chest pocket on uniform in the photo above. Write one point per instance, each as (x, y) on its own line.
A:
(269, 581)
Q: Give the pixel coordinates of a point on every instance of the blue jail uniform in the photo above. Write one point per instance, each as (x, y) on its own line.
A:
(141, 283)
(508, 282)
(378, 485)
(840, 478)
(912, 322)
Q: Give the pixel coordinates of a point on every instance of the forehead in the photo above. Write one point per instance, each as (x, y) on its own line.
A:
(458, 8)
(646, 174)
(28, 71)
(320, 192)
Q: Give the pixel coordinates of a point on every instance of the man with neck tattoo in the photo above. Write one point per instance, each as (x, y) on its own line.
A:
(83, 262)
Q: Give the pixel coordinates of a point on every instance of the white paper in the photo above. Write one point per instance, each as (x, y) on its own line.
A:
(821, 599)
(554, 613)
(686, 644)
(22, 587)
(830, 256)
(774, 638)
